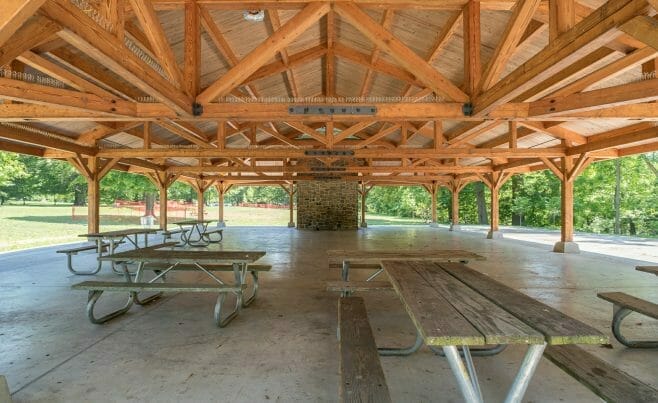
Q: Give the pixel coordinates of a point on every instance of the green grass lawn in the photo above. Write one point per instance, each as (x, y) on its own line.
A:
(23, 227)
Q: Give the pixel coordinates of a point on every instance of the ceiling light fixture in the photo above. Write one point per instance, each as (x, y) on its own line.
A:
(254, 15)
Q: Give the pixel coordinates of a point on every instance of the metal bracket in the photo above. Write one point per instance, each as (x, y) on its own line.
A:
(197, 109)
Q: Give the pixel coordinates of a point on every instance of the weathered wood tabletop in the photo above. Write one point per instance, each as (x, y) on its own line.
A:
(452, 304)
(648, 269)
(186, 256)
(119, 233)
(193, 222)
(336, 257)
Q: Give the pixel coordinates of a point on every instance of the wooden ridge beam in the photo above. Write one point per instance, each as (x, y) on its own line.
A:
(400, 52)
(83, 33)
(360, 153)
(264, 52)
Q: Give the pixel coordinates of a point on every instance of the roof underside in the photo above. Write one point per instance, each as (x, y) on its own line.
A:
(84, 80)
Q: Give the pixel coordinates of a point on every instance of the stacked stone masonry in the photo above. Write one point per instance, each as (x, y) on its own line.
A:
(327, 205)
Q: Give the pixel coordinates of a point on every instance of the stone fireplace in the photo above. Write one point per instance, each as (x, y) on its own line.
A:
(327, 205)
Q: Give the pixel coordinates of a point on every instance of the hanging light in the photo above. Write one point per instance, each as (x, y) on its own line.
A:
(254, 15)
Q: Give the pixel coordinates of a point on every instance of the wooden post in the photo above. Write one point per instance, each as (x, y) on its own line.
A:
(291, 203)
(93, 196)
(566, 243)
(364, 193)
(93, 172)
(222, 188)
(472, 64)
(434, 190)
(162, 180)
(494, 182)
(200, 202)
(455, 188)
(163, 207)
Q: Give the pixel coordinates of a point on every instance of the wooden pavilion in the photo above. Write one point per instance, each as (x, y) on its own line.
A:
(382, 92)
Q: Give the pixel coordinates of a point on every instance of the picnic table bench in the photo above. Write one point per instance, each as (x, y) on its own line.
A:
(452, 305)
(362, 376)
(167, 234)
(194, 232)
(170, 260)
(5, 396)
(625, 304)
(70, 252)
(115, 238)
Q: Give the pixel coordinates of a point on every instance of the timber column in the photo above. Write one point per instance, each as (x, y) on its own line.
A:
(290, 190)
(363, 191)
(162, 180)
(93, 171)
(455, 187)
(433, 190)
(201, 185)
(494, 182)
(222, 188)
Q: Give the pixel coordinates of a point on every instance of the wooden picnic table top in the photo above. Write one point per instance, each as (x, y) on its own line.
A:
(337, 256)
(452, 304)
(194, 222)
(185, 256)
(120, 233)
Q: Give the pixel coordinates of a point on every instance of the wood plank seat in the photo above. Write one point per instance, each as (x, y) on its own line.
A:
(609, 383)
(648, 269)
(70, 252)
(167, 234)
(624, 305)
(96, 289)
(5, 396)
(353, 286)
(218, 233)
(362, 376)
(253, 269)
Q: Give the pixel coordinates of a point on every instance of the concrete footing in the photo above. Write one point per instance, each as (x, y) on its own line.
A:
(434, 225)
(494, 235)
(221, 224)
(455, 227)
(364, 224)
(291, 224)
(566, 247)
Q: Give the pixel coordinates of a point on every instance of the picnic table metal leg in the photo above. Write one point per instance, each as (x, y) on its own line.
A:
(345, 276)
(248, 300)
(222, 322)
(388, 351)
(93, 297)
(475, 352)
(527, 370)
(462, 374)
(618, 315)
(69, 266)
(138, 278)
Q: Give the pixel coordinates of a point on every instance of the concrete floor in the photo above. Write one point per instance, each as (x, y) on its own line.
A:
(283, 347)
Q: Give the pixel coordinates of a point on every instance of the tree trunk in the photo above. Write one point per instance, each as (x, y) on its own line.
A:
(481, 203)
(617, 196)
(79, 195)
(650, 165)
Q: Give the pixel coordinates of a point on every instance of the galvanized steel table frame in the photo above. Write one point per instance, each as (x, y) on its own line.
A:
(198, 226)
(114, 238)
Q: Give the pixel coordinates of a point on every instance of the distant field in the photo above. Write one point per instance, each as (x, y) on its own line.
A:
(23, 227)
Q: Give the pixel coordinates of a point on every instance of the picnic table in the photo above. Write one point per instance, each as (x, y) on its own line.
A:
(116, 237)
(452, 305)
(164, 261)
(372, 259)
(193, 232)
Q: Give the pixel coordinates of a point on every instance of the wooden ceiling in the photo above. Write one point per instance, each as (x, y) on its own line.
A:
(458, 89)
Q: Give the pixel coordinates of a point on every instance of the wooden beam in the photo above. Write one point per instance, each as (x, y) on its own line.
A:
(33, 33)
(40, 140)
(308, 130)
(275, 24)
(380, 66)
(638, 92)
(83, 33)
(13, 14)
(40, 94)
(562, 17)
(472, 34)
(192, 68)
(643, 28)
(185, 131)
(148, 19)
(400, 52)
(21, 149)
(330, 60)
(265, 51)
(590, 34)
(516, 27)
(387, 20)
(294, 60)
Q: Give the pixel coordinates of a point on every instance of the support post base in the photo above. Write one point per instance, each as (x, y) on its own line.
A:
(455, 227)
(364, 224)
(566, 247)
(434, 225)
(221, 224)
(494, 235)
(291, 224)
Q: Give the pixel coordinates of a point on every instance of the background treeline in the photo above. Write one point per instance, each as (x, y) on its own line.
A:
(617, 196)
